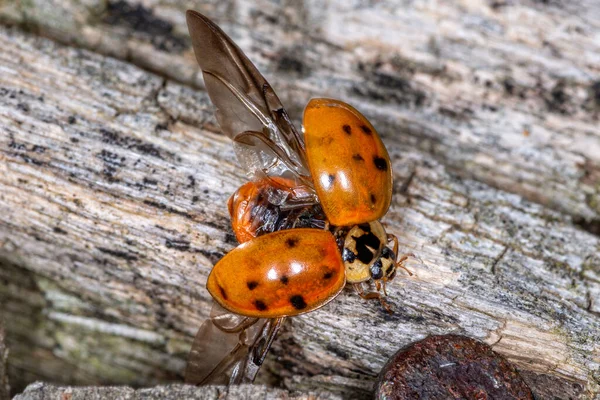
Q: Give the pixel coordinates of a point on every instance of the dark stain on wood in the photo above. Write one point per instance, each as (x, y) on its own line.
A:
(181, 245)
(119, 254)
(142, 20)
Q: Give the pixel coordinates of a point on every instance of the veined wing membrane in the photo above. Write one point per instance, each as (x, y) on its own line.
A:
(228, 348)
(246, 103)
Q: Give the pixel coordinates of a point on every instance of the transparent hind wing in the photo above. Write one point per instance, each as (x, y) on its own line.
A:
(223, 351)
(248, 110)
(268, 147)
(267, 161)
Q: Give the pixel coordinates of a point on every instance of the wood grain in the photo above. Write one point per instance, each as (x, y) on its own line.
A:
(504, 92)
(4, 387)
(114, 182)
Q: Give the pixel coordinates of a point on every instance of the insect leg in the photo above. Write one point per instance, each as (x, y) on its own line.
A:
(383, 281)
(404, 257)
(393, 238)
(377, 284)
(372, 295)
(256, 353)
(272, 327)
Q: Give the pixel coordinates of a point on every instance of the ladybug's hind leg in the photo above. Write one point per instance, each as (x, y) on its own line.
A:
(373, 295)
(262, 348)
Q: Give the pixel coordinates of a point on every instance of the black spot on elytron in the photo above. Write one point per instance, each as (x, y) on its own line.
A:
(380, 163)
(292, 242)
(322, 252)
(284, 279)
(364, 244)
(260, 305)
(377, 270)
(366, 129)
(347, 129)
(298, 302)
(328, 275)
(223, 294)
(252, 285)
(348, 255)
(358, 157)
(373, 198)
(326, 141)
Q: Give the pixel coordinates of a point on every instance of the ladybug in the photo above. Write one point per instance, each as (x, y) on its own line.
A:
(307, 220)
(352, 178)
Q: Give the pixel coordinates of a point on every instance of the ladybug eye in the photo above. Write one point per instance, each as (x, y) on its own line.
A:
(377, 270)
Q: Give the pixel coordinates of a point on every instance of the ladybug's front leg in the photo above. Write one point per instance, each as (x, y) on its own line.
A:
(380, 285)
(400, 259)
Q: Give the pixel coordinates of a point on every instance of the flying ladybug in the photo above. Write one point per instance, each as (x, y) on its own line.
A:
(308, 221)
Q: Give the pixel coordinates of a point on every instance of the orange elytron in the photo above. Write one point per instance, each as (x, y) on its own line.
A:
(340, 182)
(349, 164)
(284, 273)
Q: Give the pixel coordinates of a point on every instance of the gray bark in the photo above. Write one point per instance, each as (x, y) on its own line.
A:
(41, 391)
(4, 387)
(114, 182)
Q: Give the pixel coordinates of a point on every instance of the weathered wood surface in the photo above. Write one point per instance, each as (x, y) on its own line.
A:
(41, 391)
(504, 92)
(4, 387)
(114, 182)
